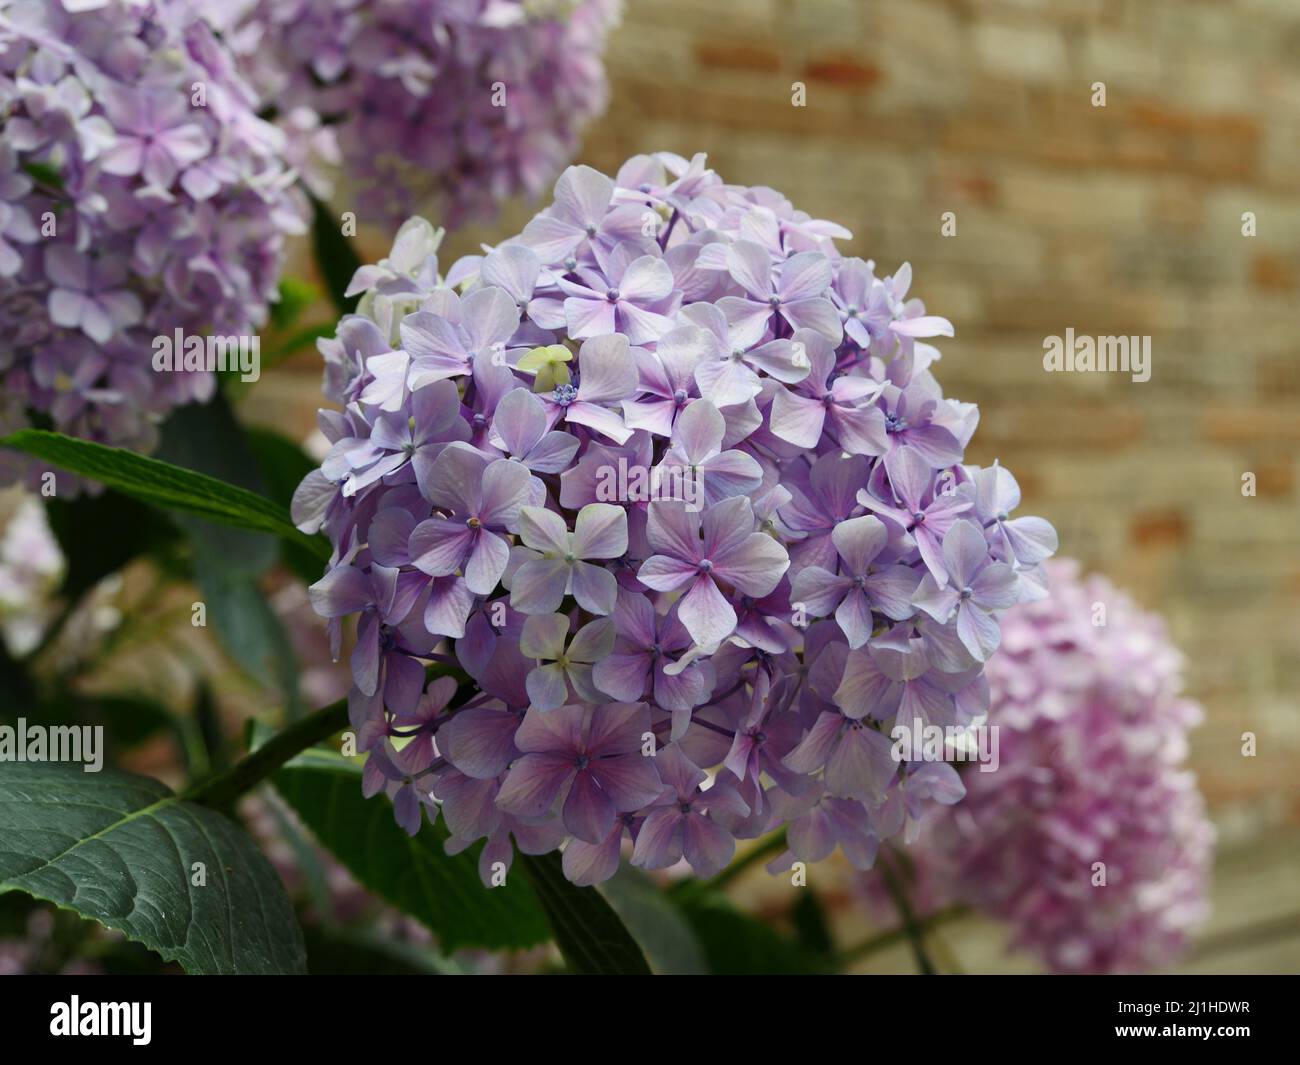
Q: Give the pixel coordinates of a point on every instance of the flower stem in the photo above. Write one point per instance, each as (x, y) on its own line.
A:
(912, 928)
(221, 791)
(897, 935)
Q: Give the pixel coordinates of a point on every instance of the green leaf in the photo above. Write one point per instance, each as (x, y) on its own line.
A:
(587, 930)
(295, 297)
(206, 439)
(249, 629)
(739, 945)
(334, 950)
(282, 463)
(666, 937)
(228, 565)
(811, 928)
(45, 174)
(303, 340)
(121, 849)
(163, 484)
(414, 874)
(335, 256)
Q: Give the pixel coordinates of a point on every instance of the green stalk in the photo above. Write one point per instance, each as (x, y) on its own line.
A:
(897, 935)
(221, 791)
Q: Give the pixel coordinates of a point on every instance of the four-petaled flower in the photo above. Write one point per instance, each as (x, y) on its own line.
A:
(556, 566)
(697, 553)
(483, 498)
(588, 759)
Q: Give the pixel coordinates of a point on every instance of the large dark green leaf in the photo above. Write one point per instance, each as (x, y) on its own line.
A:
(414, 874)
(163, 484)
(587, 930)
(121, 849)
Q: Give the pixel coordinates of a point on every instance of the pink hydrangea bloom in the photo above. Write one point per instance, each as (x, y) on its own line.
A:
(1091, 783)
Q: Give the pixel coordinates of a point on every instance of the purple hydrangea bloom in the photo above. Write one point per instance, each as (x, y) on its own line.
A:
(141, 197)
(1092, 745)
(382, 76)
(663, 527)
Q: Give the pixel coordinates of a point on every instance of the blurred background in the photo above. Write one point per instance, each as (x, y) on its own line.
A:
(1122, 219)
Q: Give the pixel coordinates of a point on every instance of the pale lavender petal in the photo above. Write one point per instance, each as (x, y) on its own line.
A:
(706, 845)
(538, 586)
(622, 676)
(797, 419)
(438, 546)
(659, 843)
(607, 371)
(594, 588)
(543, 530)
(544, 636)
(548, 688)
(486, 563)
(519, 422)
(705, 612)
(600, 531)
(978, 631)
(593, 641)
(751, 267)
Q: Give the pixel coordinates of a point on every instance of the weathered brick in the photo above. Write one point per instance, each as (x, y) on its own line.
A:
(736, 55)
(1159, 528)
(842, 70)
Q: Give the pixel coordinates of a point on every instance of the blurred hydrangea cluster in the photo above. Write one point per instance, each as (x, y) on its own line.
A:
(443, 105)
(31, 565)
(671, 481)
(1093, 737)
(140, 194)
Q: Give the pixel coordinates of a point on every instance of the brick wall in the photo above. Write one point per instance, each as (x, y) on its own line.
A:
(1123, 219)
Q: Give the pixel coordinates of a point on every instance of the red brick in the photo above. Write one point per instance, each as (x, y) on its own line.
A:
(1252, 424)
(1272, 271)
(736, 55)
(843, 71)
(1159, 528)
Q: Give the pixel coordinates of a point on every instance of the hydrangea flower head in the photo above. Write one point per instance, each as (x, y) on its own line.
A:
(31, 564)
(1091, 782)
(585, 468)
(140, 197)
(435, 105)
